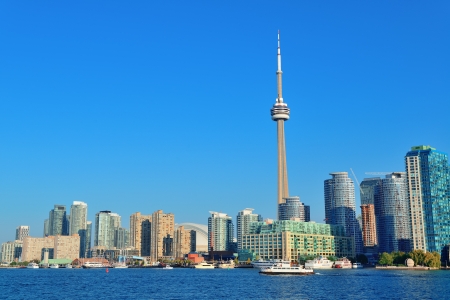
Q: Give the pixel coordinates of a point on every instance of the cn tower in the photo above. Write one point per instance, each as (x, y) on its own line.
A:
(280, 113)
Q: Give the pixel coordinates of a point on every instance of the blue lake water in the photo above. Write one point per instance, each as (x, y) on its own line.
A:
(221, 284)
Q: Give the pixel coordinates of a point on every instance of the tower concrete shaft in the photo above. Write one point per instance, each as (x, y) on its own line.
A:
(280, 113)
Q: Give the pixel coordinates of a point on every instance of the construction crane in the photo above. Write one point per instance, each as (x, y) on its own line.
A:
(357, 181)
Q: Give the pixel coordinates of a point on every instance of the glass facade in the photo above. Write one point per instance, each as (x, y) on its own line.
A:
(105, 224)
(57, 221)
(243, 220)
(220, 232)
(429, 195)
(293, 208)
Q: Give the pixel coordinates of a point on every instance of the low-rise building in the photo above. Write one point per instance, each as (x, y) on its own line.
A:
(293, 240)
(11, 251)
(58, 247)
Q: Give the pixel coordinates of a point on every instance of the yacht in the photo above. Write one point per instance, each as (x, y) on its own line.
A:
(226, 264)
(357, 265)
(93, 265)
(286, 269)
(343, 263)
(167, 267)
(319, 263)
(32, 266)
(53, 266)
(261, 263)
(204, 265)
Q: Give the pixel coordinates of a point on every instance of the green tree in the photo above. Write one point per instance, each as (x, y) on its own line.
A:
(418, 256)
(432, 259)
(385, 259)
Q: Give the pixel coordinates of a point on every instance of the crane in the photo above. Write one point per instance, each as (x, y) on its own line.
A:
(357, 181)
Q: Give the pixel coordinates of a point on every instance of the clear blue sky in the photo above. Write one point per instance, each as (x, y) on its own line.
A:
(166, 104)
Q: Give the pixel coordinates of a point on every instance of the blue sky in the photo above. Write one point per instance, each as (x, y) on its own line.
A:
(144, 106)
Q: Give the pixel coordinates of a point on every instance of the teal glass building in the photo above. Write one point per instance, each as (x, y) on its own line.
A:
(429, 195)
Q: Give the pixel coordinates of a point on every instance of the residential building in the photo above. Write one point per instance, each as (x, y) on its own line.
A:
(57, 221)
(292, 208)
(105, 224)
(220, 232)
(294, 240)
(199, 236)
(243, 220)
(163, 225)
(21, 232)
(121, 238)
(46, 228)
(339, 192)
(368, 225)
(140, 233)
(182, 242)
(78, 223)
(33, 247)
(11, 251)
(428, 180)
(66, 247)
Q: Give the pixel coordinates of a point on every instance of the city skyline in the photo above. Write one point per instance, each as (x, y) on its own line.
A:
(84, 105)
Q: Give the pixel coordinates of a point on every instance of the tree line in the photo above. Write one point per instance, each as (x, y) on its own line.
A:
(420, 258)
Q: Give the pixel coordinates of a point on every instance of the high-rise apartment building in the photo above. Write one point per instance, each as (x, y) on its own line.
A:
(121, 238)
(428, 180)
(340, 206)
(243, 220)
(105, 224)
(78, 223)
(140, 233)
(369, 190)
(57, 221)
(87, 240)
(21, 232)
(182, 242)
(220, 232)
(66, 247)
(33, 248)
(163, 226)
(46, 228)
(292, 209)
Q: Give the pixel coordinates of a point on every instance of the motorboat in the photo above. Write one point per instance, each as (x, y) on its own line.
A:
(94, 265)
(261, 263)
(204, 265)
(53, 266)
(357, 265)
(226, 264)
(68, 266)
(319, 263)
(286, 269)
(119, 265)
(167, 267)
(32, 265)
(343, 263)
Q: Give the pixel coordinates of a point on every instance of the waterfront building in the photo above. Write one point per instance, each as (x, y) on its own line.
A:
(294, 240)
(11, 251)
(292, 208)
(280, 113)
(121, 238)
(21, 232)
(162, 226)
(57, 221)
(105, 224)
(220, 232)
(392, 214)
(140, 233)
(199, 236)
(243, 220)
(34, 247)
(66, 247)
(78, 223)
(339, 192)
(182, 242)
(428, 180)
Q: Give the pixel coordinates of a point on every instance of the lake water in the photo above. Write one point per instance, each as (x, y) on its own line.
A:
(221, 284)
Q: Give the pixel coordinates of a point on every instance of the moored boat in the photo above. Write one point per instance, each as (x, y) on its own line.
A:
(261, 263)
(357, 265)
(286, 269)
(94, 265)
(53, 266)
(226, 264)
(204, 265)
(343, 263)
(319, 263)
(32, 266)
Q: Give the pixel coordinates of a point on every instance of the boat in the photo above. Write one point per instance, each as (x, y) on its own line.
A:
(94, 265)
(53, 266)
(32, 266)
(261, 263)
(357, 265)
(204, 265)
(286, 269)
(319, 263)
(343, 263)
(226, 264)
(167, 267)
(119, 265)
(68, 266)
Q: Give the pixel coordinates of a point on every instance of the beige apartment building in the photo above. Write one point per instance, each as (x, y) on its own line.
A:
(63, 247)
(163, 225)
(140, 232)
(182, 241)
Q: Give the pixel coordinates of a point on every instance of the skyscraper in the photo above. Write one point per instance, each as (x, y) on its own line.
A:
(105, 224)
(140, 233)
(220, 232)
(21, 232)
(428, 179)
(57, 221)
(370, 190)
(340, 206)
(163, 227)
(280, 113)
(243, 220)
(78, 223)
(292, 208)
